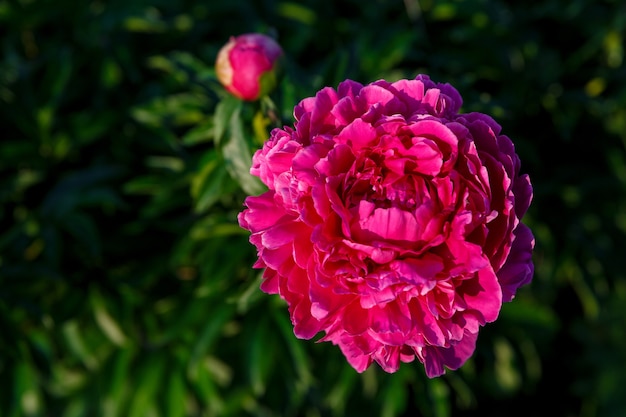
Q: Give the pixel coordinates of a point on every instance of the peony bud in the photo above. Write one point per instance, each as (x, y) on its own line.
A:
(247, 65)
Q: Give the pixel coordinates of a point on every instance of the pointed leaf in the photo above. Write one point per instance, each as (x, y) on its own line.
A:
(236, 150)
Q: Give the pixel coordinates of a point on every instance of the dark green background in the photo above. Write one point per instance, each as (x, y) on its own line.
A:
(126, 286)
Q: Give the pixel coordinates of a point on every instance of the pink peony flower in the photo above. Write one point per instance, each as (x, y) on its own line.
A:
(247, 65)
(392, 222)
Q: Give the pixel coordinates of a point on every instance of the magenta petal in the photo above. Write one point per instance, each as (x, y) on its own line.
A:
(374, 94)
(391, 318)
(523, 195)
(377, 298)
(355, 318)
(304, 325)
(388, 357)
(304, 162)
(519, 268)
(261, 212)
(270, 281)
(435, 130)
(338, 161)
(355, 357)
(413, 89)
(324, 301)
(483, 294)
(420, 271)
(325, 99)
(392, 223)
(428, 324)
(436, 359)
(357, 134)
(277, 236)
(278, 258)
(456, 355)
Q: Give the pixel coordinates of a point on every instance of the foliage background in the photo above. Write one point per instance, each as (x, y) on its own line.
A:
(126, 286)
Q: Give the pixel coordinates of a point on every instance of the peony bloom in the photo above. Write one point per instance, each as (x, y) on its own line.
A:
(247, 65)
(392, 222)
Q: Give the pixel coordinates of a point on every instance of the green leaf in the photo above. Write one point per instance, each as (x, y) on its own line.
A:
(149, 23)
(440, 397)
(118, 368)
(27, 396)
(261, 358)
(146, 184)
(394, 397)
(216, 318)
(68, 193)
(185, 318)
(201, 133)
(84, 230)
(89, 126)
(250, 296)
(58, 77)
(176, 392)
(184, 68)
(224, 112)
(207, 185)
(507, 375)
(338, 396)
(106, 322)
(236, 150)
(148, 384)
(527, 313)
(181, 109)
(206, 389)
(299, 358)
(77, 346)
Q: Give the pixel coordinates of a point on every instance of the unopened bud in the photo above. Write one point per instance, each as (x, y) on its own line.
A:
(247, 66)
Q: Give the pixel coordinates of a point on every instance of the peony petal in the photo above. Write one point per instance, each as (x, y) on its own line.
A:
(278, 236)
(304, 162)
(428, 326)
(270, 281)
(261, 213)
(356, 358)
(468, 257)
(434, 100)
(413, 89)
(321, 118)
(435, 130)
(356, 319)
(393, 319)
(305, 326)
(278, 259)
(483, 294)
(376, 94)
(339, 160)
(357, 134)
(380, 297)
(388, 357)
(523, 191)
(418, 271)
(324, 301)
(435, 359)
(392, 223)
(519, 268)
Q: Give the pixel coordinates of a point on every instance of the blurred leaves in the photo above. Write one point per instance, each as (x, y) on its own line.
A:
(126, 286)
